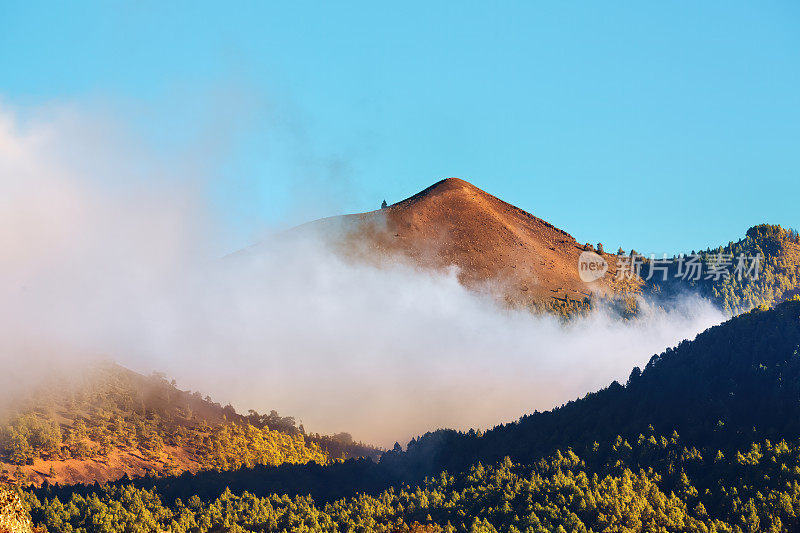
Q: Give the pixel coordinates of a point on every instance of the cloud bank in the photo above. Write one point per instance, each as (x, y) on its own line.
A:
(105, 250)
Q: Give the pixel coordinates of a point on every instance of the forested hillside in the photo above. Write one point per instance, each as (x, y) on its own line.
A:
(112, 422)
(763, 268)
(774, 280)
(705, 438)
(653, 483)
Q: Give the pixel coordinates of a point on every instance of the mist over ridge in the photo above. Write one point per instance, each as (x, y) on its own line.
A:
(109, 256)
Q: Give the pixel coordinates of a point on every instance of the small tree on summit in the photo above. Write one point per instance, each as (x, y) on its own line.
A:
(384, 205)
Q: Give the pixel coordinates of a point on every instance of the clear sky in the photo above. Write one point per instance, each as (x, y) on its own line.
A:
(662, 126)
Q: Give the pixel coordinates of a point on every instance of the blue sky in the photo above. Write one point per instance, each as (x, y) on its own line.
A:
(663, 126)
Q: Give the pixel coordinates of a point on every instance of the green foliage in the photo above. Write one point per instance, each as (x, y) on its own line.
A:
(703, 439)
(13, 514)
(566, 307)
(657, 483)
(27, 436)
(779, 250)
(115, 410)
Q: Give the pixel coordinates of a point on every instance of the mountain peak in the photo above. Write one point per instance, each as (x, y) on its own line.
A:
(445, 186)
(495, 245)
(449, 184)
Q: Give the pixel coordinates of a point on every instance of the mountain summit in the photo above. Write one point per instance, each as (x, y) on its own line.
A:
(496, 246)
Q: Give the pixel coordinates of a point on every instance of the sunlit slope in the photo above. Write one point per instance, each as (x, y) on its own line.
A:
(496, 247)
(110, 422)
(507, 252)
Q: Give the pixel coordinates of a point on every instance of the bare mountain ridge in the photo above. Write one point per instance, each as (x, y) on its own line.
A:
(497, 247)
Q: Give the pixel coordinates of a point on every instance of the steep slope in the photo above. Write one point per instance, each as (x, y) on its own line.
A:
(497, 247)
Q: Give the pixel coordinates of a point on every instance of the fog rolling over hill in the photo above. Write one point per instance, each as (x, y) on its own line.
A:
(428, 351)
(496, 247)
(500, 250)
(734, 384)
(439, 311)
(130, 271)
(705, 438)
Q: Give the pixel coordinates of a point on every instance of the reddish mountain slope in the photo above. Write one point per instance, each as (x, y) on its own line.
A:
(496, 246)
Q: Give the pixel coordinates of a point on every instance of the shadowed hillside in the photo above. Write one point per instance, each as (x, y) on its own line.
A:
(735, 383)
